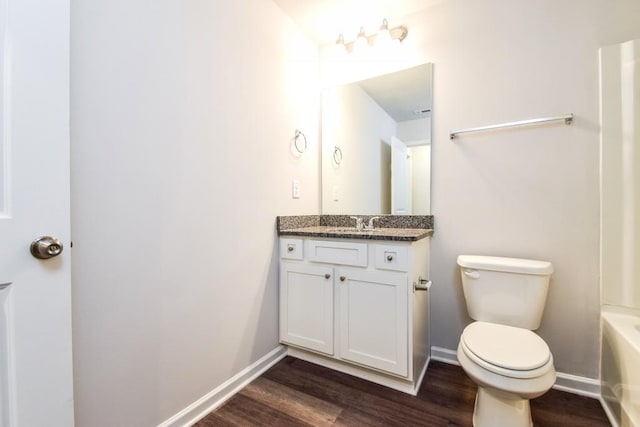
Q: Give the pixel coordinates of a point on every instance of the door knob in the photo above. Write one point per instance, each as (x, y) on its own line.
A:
(46, 247)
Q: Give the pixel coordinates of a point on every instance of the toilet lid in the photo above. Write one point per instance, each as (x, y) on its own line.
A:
(506, 346)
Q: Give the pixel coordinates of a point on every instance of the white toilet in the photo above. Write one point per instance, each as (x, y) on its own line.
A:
(499, 351)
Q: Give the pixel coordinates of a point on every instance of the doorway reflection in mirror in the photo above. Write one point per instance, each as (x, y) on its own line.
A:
(383, 126)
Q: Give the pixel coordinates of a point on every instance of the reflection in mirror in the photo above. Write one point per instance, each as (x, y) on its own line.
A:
(382, 127)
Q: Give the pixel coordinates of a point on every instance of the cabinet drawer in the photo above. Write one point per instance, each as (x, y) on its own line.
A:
(391, 257)
(343, 253)
(291, 249)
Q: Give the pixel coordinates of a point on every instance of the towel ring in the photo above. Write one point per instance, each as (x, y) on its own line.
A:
(295, 141)
(337, 155)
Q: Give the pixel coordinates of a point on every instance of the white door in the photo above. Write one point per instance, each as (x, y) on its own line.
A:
(373, 319)
(36, 386)
(400, 178)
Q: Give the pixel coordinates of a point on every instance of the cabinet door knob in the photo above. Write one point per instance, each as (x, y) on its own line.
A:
(326, 276)
(342, 278)
(389, 257)
(290, 248)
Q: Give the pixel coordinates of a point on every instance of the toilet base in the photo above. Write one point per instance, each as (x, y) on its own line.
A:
(495, 408)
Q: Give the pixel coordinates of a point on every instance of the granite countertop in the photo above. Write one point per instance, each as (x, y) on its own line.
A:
(395, 234)
(407, 228)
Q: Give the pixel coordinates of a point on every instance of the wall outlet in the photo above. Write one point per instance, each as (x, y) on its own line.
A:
(295, 189)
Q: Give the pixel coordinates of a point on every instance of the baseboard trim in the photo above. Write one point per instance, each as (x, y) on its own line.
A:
(216, 397)
(387, 380)
(564, 382)
(577, 385)
(444, 355)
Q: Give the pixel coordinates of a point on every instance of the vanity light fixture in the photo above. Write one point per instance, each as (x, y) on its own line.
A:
(385, 35)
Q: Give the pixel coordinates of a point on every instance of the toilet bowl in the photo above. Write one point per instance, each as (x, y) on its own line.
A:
(510, 366)
(499, 351)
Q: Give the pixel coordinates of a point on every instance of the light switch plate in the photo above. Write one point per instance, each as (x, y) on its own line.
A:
(295, 189)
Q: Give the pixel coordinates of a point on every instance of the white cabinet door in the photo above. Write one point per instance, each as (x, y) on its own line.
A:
(373, 319)
(306, 306)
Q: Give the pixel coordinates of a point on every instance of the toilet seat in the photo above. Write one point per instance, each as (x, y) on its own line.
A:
(506, 350)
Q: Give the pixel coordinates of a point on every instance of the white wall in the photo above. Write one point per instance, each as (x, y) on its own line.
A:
(527, 192)
(182, 117)
(353, 121)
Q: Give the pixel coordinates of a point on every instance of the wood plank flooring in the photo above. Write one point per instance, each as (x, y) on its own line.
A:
(298, 393)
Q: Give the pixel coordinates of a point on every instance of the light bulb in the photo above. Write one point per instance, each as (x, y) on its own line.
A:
(338, 50)
(383, 39)
(340, 42)
(361, 43)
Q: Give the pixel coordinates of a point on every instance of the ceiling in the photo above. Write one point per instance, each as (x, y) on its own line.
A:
(323, 20)
(404, 95)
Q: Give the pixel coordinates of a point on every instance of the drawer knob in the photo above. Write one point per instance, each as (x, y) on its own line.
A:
(389, 257)
(290, 248)
(342, 278)
(327, 276)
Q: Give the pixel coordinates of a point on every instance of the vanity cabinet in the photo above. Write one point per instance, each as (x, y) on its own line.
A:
(351, 305)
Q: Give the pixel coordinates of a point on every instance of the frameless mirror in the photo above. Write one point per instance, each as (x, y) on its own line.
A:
(376, 145)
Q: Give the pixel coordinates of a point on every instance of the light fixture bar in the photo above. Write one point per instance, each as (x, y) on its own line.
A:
(396, 33)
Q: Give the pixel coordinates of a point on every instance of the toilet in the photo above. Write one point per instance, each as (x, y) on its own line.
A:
(499, 350)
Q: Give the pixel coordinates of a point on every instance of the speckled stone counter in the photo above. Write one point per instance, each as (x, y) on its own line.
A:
(387, 227)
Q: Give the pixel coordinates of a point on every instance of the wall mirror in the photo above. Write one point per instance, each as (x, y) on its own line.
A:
(376, 145)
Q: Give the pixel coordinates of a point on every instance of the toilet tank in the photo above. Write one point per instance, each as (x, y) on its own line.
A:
(508, 291)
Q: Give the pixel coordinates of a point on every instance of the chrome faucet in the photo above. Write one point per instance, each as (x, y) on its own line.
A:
(370, 226)
(359, 223)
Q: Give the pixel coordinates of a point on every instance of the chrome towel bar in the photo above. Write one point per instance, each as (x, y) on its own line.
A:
(568, 119)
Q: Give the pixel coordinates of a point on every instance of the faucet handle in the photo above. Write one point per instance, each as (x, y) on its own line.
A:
(370, 226)
(359, 222)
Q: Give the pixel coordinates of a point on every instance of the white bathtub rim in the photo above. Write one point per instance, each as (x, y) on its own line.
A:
(622, 326)
(625, 322)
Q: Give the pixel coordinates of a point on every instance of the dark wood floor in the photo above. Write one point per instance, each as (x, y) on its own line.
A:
(297, 393)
